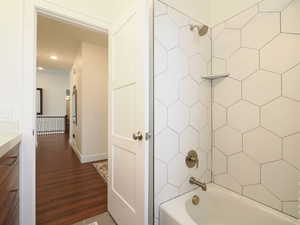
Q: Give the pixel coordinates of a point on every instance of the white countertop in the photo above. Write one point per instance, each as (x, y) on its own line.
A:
(8, 141)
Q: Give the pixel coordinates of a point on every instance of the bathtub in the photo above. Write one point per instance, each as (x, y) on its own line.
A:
(218, 206)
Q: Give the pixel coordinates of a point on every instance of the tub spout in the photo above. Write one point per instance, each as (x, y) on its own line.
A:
(203, 186)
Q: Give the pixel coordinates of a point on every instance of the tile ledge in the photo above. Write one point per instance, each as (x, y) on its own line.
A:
(213, 77)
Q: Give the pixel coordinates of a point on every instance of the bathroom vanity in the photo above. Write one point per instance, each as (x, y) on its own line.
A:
(9, 178)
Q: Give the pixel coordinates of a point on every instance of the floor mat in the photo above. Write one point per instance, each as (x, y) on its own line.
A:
(102, 168)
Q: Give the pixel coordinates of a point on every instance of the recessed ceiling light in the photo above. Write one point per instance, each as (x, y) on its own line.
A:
(54, 57)
(40, 68)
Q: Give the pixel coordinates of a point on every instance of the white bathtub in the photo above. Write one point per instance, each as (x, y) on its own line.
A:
(219, 206)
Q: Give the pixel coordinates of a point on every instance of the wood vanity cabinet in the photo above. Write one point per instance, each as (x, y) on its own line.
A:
(9, 187)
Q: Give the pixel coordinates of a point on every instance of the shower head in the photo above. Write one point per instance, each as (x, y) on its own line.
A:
(201, 30)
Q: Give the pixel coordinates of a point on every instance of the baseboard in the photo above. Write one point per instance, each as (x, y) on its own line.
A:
(85, 158)
(93, 157)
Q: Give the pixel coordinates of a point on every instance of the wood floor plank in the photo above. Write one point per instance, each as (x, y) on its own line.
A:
(67, 191)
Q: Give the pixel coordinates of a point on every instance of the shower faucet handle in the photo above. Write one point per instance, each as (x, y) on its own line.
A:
(192, 159)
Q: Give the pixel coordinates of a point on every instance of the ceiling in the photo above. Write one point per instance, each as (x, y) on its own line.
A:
(55, 38)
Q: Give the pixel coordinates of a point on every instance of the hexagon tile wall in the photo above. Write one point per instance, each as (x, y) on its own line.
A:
(182, 103)
(256, 111)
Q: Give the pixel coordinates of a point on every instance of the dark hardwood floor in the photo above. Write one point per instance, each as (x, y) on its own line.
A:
(67, 191)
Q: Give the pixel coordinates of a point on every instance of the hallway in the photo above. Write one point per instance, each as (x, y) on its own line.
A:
(67, 191)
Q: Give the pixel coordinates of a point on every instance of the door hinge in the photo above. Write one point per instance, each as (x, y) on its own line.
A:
(148, 135)
(33, 132)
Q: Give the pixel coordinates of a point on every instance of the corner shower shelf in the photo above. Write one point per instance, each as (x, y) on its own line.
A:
(213, 77)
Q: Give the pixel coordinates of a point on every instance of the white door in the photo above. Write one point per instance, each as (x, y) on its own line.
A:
(128, 115)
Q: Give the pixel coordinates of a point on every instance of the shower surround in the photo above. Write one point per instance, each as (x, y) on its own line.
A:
(256, 122)
(182, 103)
(255, 129)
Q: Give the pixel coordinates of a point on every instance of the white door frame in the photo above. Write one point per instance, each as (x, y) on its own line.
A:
(27, 123)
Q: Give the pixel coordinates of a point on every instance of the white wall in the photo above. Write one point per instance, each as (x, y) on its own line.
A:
(222, 10)
(94, 99)
(17, 79)
(10, 57)
(90, 75)
(210, 12)
(54, 84)
(196, 9)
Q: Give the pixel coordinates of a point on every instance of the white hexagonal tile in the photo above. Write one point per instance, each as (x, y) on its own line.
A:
(206, 177)
(281, 116)
(177, 63)
(202, 166)
(198, 67)
(166, 31)
(219, 66)
(160, 117)
(243, 63)
(261, 194)
(186, 187)
(177, 170)
(226, 43)
(217, 30)
(226, 91)
(262, 87)
(166, 89)
(281, 54)
(243, 116)
(189, 140)
(189, 91)
(167, 193)
(291, 152)
(255, 34)
(291, 208)
(166, 145)
(219, 162)
(178, 18)
(228, 182)
(243, 169)
(205, 138)
(199, 116)
(284, 185)
(205, 92)
(290, 83)
(160, 176)
(273, 6)
(178, 116)
(160, 58)
(241, 19)
(228, 141)
(290, 18)
(189, 41)
(159, 8)
(262, 145)
(219, 114)
(205, 46)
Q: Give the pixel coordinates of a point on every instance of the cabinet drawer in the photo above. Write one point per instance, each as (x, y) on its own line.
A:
(10, 179)
(10, 209)
(10, 157)
(14, 152)
(8, 161)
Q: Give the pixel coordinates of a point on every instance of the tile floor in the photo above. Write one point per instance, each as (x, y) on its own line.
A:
(102, 219)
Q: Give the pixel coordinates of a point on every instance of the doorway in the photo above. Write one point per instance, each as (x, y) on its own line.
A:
(71, 157)
(129, 33)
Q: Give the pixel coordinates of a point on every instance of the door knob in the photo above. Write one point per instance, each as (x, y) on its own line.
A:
(137, 136)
